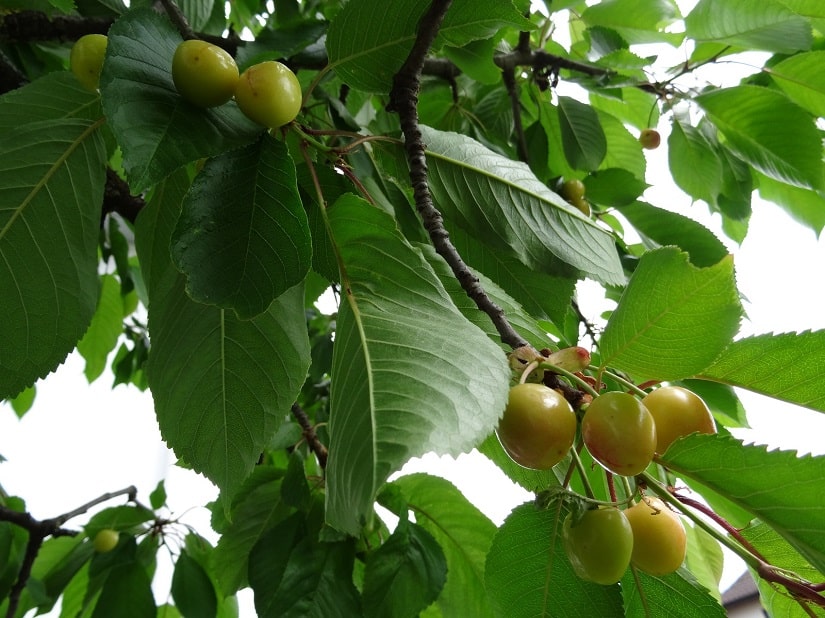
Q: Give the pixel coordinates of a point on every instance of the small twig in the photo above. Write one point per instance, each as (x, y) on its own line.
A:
(404, 100)
(508, 75)
(309, 433)
(117, 198)
(179, 19)
(38, 532)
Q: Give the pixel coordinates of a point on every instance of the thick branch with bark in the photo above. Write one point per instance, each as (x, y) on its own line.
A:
(404, 101)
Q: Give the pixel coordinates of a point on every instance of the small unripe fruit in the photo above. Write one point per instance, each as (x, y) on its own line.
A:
(599, 545)
(105, 540)
(204, 74)
(659, 539)
(269, 93)
(86, 59)
(677, 413)
(650, 139)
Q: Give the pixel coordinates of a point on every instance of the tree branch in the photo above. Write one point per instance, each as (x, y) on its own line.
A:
(309, 433)
(509, 78)
(404, 101)
(117, 198)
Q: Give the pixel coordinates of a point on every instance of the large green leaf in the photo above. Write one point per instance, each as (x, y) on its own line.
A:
(386, 33)
(802, 77)
(242, 238)
(52, 174)
(784, 366)
(155, 127)
(695, 166)
(528, 574)
(781, 489)
(673, 319)
(637, 21)
(804, 205)
(767, 130)
(400, 388)
(582, 135)
(766, 25)
(405, 574)
(464, 534)
(126, 581)
(504, 205)
(677, 595)
(671, 228)
(221, 385)
(52, 97)
(192, 589)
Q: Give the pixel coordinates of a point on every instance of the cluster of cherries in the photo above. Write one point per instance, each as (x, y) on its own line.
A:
(622, 432)
(207, 76)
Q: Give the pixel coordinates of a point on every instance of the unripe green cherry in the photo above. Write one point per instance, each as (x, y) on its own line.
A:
(105, 540)
(599, 545)
(620, 433)
(86, 59)
(659, 539)
(204, 74)
(269, 93)
(650, 139)
(677, 413)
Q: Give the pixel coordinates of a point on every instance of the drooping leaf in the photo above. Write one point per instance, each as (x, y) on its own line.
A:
(802, 77)
(295, 576)
(704, 559)
(405, 574)
(766, 25)
(804, 205)
(780, 366)
(52, 174)
(192, 589)
(769, 131)
(528, 573)
(126, 581)
(398, 391)
(464, 534)
(673, 319)
(613, 187)
(221, 385)
(505, 206)
(242, 238)
(677, 595)
(637, 21)
(387, 32)
(104, 330)
(624, 152)
(155, 127)
(781, 489)
(670, 228)
(582, 136)
(695, 166)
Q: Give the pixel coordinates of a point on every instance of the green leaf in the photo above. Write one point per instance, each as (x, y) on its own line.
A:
(531, 480)
(677, 595)
(804, 205)
(781, 489)
(624, 152)
(777, 551)
(221, 386)
(405, 574)
(767, 130)
(633, 106)
(802, 78)
(613, 187)
(582, 136)
(398, 391)
(673, 319)
(476, 60)
(765, 25)
(465, 535)
(387, 32)
(13, 540)
(294, 576)
(242, 238)
(781, 366)
(256, 509)
(197, 12)
(155, 127)
(126, 581)
(696, 168)
(24, 401)
(528, 574)
(637, 21)
(670, 228)
(504, 205)
(105, 329)
(192, 589)
(54, 96)
(704, 559)
(722, 401)
(52, 174)
(295, 490)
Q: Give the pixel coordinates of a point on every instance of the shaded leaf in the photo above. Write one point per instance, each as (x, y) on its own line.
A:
(677, 595)
(52, 174)
(802, 78)
(695, 166)
(242, 238)
(398, 391)
(505, 206)
(54, 96)
(104, 330)
(637, 21)
(582, 136)
(779, 366)
(789, 151)
(126, 581)
(155, 127)
(781, 489)
(405, 574)
(192, 589)
(673, 319)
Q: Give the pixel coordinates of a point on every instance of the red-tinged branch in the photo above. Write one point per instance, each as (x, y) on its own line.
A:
(404, 101)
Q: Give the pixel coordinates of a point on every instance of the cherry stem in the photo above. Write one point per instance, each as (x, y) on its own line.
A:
(611, 487)
(570, 376)
(531, 367)
(588, 490)
(626, 383)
